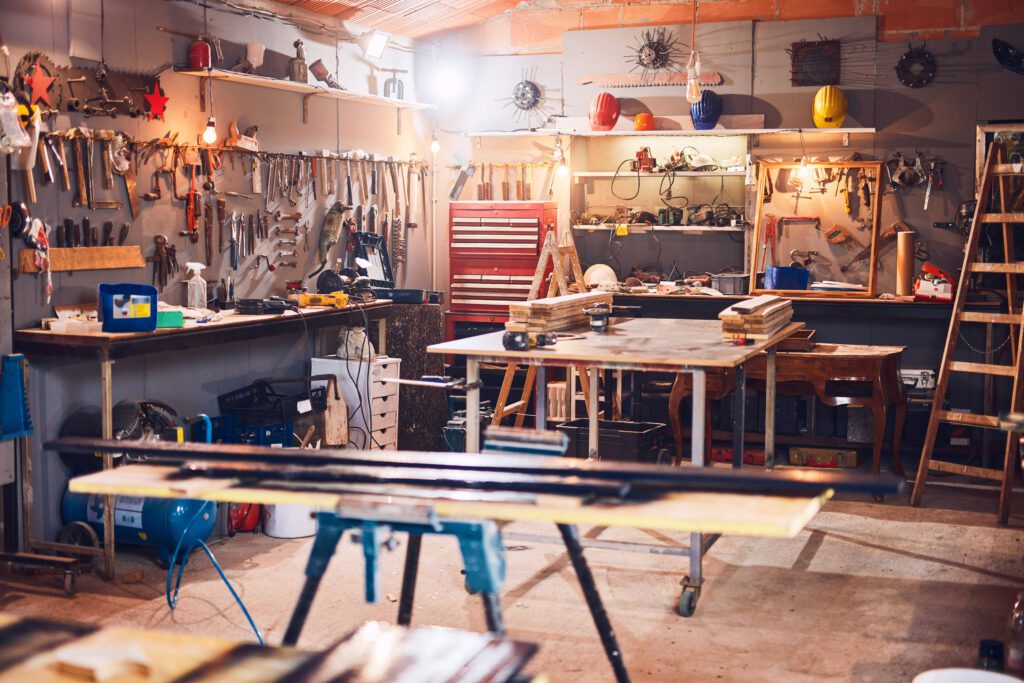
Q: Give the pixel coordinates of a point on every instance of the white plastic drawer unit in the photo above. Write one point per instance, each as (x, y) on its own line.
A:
(495, 236)
(372, 402)
(474, 290)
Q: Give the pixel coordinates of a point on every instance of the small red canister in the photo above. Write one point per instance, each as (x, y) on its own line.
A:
(643, 121)
(199, 56)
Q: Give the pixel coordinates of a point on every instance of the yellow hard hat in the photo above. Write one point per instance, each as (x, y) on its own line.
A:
(829, 107)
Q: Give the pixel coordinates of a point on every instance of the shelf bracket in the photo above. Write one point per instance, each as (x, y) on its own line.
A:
(305, 107)
(203, 81)
(846, 139)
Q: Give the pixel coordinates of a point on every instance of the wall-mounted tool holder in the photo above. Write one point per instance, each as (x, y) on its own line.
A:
(827, 215)
(84, 258)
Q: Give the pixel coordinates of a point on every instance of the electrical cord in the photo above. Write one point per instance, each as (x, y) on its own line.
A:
(172, 598)
(616, 177)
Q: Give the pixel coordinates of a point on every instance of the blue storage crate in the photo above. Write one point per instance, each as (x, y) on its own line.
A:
(786, 277)
(229, 429)
(128, 307)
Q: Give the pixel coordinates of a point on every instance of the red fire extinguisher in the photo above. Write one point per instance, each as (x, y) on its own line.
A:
(199, 55)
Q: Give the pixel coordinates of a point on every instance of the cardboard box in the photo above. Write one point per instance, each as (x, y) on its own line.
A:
(822, 457)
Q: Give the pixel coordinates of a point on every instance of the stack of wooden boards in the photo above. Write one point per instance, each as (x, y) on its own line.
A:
(554, 313)
(757, 318)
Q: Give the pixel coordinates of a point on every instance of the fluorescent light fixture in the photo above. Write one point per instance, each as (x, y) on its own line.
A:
(373, 43)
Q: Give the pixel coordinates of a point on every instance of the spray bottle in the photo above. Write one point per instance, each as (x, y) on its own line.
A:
(196, 284)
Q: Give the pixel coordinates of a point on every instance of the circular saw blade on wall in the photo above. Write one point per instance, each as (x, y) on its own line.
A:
(654, 51)
(527, 102)
(39, 78)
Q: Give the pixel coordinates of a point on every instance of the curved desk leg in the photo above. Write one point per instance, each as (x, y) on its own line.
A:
(571, 538)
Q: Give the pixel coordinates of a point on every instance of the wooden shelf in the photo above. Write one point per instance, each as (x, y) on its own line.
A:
(645, 227)
(716, 132)
(305, 89)
(84, 258)
(658, 174)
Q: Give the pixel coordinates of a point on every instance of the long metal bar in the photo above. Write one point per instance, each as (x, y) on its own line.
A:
(697, 412)
(769, 409)
(412, 568)
(625, 546)
(540, 401)
(798, 482)
(593, 426)
(571, 538)
(739, 415)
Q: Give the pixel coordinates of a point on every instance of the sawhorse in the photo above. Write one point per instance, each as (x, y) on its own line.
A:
(483, 558)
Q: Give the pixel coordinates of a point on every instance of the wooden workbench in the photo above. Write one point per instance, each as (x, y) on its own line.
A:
(30, 648)
(748, 515)
(106, 347)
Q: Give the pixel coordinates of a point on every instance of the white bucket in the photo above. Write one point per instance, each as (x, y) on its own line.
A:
(288, 521)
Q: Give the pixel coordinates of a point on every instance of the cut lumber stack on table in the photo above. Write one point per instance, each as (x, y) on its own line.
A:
(758, 318)
(554, 313)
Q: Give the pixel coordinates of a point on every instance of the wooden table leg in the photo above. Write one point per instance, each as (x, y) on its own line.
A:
(107, 430)
(739, 415)
(675, 401)
(769, 410)
(593, 427)
(897, 438)
(472, 405)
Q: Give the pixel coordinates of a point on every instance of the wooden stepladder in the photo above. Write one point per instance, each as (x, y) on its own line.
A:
(996, 170)
(561, 254)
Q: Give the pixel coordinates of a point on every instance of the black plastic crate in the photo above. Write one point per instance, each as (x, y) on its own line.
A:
(262, 401)
(630, 441)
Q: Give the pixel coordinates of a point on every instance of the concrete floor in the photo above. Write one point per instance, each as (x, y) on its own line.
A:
(868, 592)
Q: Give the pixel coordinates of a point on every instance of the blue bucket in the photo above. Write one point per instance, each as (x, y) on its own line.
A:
(128, 307)
(786, 277)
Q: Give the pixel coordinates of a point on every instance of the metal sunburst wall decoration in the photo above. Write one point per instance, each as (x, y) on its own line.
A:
(527, 102)
(655, 50)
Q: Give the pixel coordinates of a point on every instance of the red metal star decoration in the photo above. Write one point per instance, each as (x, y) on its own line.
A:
(157, 102)
(40, 83)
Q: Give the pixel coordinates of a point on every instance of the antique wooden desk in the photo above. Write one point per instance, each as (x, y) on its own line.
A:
(838, 374)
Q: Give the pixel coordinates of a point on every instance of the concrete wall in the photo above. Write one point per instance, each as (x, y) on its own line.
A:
(191, 381)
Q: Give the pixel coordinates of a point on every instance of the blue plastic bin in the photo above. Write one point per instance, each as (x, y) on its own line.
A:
(128, 307)
(786, 277)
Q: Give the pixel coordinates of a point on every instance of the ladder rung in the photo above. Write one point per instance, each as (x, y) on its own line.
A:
(998, 318)
(512, 408)
(1016, 267)
(966, 470)
(983, 368)
(1005, 169)
(972, 419)
(1002, 218)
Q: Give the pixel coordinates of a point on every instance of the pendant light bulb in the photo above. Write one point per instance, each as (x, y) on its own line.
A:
(804, 172)
(210, 134)
(563, 170)
(693, 79)
(435, 146)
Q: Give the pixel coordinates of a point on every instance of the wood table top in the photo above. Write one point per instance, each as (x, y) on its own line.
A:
(232, 327)
(637, 343)
(726, 513)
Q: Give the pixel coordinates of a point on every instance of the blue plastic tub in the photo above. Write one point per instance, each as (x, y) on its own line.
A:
(786, 277)
(128, 307)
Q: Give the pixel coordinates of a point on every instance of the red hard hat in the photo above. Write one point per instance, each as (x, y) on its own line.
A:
(604, 111)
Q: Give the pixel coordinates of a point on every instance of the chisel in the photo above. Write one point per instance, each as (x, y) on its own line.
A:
(504, 184)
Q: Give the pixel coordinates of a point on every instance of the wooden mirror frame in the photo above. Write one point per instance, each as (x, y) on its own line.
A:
(876, 215)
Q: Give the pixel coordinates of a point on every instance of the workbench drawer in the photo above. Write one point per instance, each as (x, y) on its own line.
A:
(384, 404)
(384, 420)
(384, 438)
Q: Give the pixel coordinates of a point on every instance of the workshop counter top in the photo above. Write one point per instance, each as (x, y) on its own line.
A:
(230, 328)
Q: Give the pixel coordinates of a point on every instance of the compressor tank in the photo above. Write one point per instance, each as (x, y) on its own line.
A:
(157, 522)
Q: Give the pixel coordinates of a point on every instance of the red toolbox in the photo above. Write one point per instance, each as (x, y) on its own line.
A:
(493, 251)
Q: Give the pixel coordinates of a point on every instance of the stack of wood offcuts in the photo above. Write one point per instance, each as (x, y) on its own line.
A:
(554, 313)
(757, 318)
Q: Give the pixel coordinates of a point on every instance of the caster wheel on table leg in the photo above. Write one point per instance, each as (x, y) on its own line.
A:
(70, 584)
(687, 602)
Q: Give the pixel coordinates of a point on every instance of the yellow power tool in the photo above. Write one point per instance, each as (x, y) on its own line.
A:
(333, 300)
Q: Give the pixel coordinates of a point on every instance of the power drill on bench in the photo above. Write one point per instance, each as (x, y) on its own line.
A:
(521, 341)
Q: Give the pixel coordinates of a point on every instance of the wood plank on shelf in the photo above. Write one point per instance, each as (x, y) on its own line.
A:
(646, 227)
(84, 258)
(301, 88)
(716, 132)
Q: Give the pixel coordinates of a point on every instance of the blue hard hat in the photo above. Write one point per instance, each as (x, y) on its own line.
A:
(705, 114)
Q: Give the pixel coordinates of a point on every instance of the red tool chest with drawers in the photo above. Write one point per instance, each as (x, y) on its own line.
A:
(493, 251)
